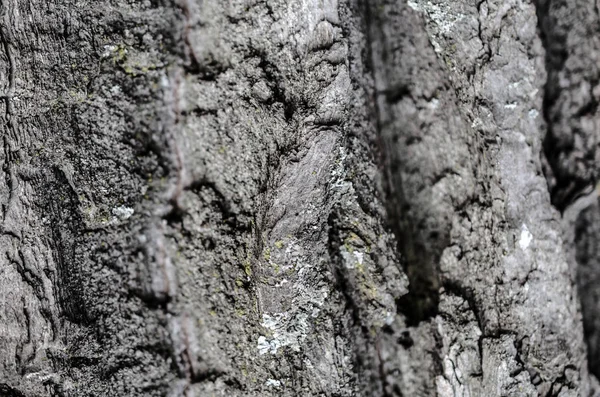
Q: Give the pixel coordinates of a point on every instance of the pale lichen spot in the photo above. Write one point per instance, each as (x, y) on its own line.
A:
(267, 346)
(442, 16)
(273, 383)
(526, 237)
(122, 212)
(389, 318)
(108, 50)
(359, 257)
(269, 322)
(414, 5)
(263, 345)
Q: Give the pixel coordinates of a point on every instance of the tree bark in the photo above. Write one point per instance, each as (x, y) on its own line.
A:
(316, 198)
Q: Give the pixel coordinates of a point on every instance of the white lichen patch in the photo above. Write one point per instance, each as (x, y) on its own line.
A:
(42, 376)
(339, 178)
(282, 283)
(267, 346)
(526, 237)
(359, 257)
(414, 5)
(476, 122)
(442, 17)
(349, 259)
(286, 330)
(353, 258)
(122, 212)
(389, 318)
(273, 383)
(109, 50)
(271, 322)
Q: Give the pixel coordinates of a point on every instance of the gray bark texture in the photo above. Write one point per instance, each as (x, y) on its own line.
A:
(299, 198)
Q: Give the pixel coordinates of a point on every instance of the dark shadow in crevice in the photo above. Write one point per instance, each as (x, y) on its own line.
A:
(587, 254)
(420, 266)
(566, 185)
(7, 391)
(421, 228)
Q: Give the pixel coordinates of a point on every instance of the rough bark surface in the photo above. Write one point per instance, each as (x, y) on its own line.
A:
(316, 198)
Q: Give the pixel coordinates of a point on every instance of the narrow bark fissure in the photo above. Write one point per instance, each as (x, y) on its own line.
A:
(65, 231)
(7, 96)
(341, 282)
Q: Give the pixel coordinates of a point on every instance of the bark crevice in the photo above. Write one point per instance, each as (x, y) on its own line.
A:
(571, 145)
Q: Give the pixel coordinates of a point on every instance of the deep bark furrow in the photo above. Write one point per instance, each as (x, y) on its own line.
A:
(572, 142)
(587, 238)
(571, 94)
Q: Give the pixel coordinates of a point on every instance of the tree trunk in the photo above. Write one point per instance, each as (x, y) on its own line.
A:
(316, 198)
